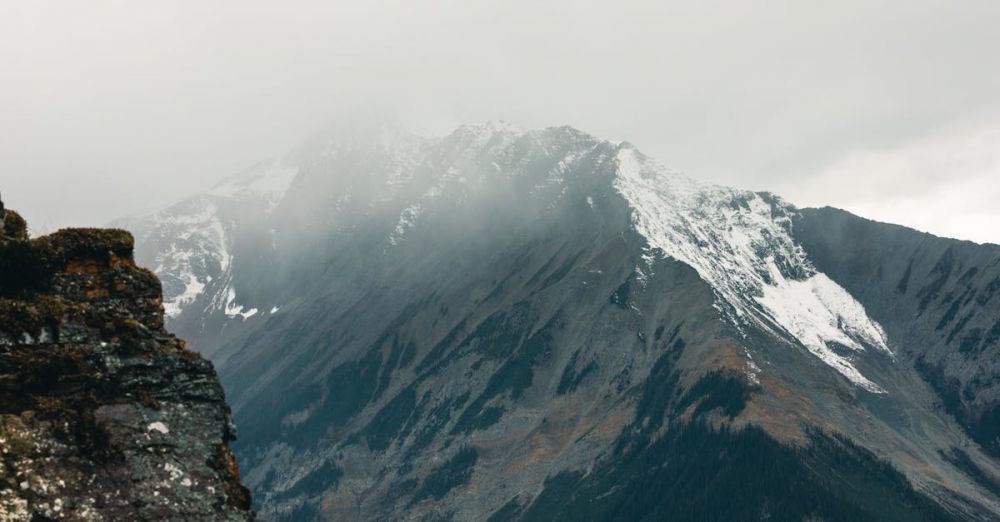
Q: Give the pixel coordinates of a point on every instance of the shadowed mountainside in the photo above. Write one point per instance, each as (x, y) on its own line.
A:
(528, 325)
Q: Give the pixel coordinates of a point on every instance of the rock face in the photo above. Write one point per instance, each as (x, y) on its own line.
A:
(542, 325)
(939, 296)
(103, 414)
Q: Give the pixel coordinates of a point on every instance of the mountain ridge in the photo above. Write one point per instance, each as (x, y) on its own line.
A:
(405, 297)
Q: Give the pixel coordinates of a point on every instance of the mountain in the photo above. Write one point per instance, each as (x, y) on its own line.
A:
(103, 414)
(513, 324)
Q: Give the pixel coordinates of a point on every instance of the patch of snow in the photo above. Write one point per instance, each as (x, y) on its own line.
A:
(192, 289)
(196, 242)
(233, 309)
(753, 371)
(496, 130)
(275, 309)
(740, 243)
(818, 312)
(268, 181)
(407, 220)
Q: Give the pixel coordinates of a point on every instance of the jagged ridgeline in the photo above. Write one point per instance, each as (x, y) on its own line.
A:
(542, 324)
(104, 415)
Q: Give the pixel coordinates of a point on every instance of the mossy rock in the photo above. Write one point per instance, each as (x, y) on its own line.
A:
(87, 243)
(14, 226)
(27, 266)
(23, 267)
(19, 317)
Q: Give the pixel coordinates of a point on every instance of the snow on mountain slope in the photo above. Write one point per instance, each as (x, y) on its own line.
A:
(193, 238)
(523, 293)
(740, 243)
(192, 248)
(268, 181)
(460, 174)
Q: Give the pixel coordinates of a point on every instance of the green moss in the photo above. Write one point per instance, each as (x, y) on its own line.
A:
(18, 317)
(14, 225)
(141, 282)
(87, 243)
(23, 268)
(133, 335)
(30, 266)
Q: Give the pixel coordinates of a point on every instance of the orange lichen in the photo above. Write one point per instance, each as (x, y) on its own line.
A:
(236, 494)
(97, 293)
(116, 261)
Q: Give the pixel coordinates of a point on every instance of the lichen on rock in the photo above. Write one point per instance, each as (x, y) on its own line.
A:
(104, 415)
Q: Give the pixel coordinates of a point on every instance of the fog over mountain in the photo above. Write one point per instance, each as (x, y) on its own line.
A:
(500, 260)
(521, 324)
(888, 109)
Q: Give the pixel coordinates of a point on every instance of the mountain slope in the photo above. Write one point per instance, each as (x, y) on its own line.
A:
(525, 324)
(938, 295)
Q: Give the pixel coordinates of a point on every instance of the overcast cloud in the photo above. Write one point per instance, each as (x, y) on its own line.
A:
(887, 108)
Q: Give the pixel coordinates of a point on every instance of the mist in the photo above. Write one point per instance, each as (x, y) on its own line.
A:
(890, 109)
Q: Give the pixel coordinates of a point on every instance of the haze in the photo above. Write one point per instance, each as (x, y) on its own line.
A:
(890, 109)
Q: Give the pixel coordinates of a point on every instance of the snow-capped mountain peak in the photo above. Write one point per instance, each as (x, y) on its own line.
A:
(740, 242)
(388, 298)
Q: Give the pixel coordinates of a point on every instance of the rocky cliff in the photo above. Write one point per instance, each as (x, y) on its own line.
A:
(104, 415)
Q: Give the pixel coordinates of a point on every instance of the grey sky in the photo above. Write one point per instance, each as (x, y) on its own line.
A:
(888, 108)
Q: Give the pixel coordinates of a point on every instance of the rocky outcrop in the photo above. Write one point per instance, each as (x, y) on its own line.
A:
(104, 415)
